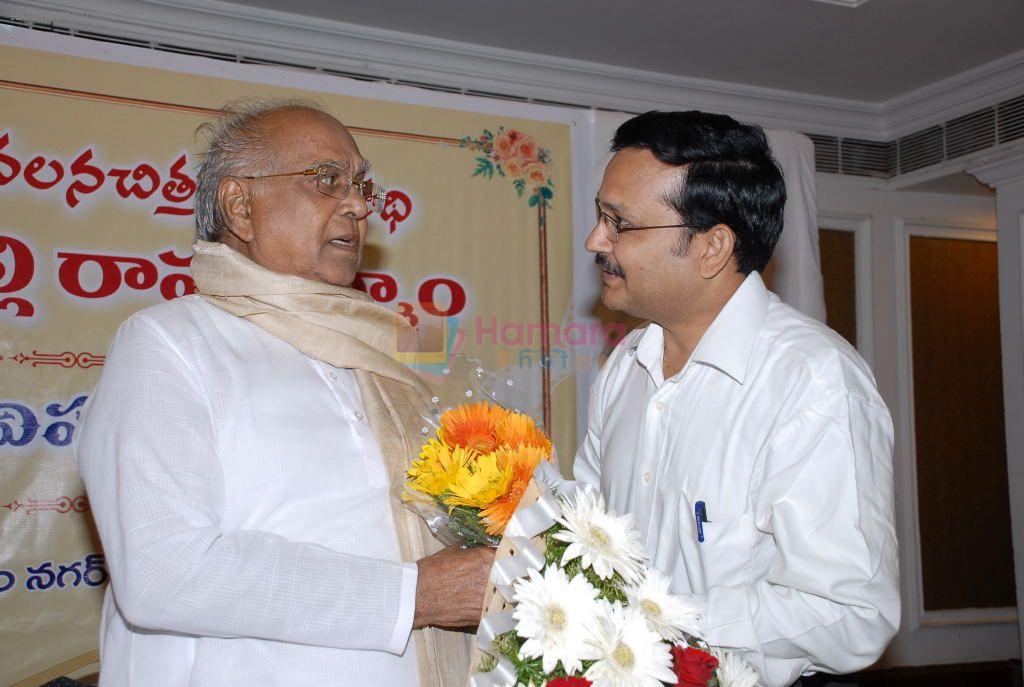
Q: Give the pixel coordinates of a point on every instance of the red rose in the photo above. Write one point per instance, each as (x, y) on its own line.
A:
(569, 682)
(693, 667)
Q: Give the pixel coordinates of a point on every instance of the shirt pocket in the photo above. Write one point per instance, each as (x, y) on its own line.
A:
(728, 549)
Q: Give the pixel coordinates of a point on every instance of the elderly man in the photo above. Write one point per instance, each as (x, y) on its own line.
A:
(244, 448)
(748, 440)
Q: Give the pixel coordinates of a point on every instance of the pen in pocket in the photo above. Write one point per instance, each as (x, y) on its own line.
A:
(700, 512)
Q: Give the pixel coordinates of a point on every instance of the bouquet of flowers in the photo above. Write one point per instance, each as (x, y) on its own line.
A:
(473, 469)
(589, 611)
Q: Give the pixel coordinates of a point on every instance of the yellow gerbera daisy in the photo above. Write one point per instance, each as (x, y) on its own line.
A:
(436, 467)
(519, 463)
(478, 483)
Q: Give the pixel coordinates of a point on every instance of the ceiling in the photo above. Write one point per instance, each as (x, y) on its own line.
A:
(874, 52)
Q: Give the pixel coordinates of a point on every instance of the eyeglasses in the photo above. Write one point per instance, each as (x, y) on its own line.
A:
(613, 227)
(331, 181)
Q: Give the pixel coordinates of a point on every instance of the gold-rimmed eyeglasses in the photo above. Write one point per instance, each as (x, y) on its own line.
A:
(613, 225)
(332, 181)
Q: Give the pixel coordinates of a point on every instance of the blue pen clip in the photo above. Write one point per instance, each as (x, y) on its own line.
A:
(700, 512)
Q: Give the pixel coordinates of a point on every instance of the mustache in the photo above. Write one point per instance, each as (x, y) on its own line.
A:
(606, 264)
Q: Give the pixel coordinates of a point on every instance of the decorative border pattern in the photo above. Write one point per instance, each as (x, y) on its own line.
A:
(67, 359)
(61, 505)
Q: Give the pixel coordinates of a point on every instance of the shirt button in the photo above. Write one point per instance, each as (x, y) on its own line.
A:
(333, 375)
(360, 416)
(660, 405)
(648, 477)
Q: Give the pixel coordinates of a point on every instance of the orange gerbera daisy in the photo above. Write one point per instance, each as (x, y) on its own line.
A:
(519, 429)
(520, 462)
(473, 426)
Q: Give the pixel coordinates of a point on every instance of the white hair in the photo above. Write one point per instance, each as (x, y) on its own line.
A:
(236, 146)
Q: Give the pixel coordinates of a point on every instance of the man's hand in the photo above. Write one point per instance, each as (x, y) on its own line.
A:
(450, 587)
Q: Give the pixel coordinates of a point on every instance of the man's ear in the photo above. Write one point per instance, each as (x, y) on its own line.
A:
(719, 243)
(234, 200)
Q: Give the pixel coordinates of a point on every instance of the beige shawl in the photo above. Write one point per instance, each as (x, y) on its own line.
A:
(344, 328)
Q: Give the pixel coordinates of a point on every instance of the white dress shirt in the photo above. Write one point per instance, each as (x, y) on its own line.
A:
(774, 424)
(244, 509)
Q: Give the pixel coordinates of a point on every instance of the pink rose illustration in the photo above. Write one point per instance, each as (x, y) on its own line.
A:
(514, 168)
(536, 173)
(526, 149)
(503, 147)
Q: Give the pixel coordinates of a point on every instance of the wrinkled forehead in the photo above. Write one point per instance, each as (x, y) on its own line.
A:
(300, 137)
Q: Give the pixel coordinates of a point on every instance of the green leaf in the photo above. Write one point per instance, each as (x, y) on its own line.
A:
(534, 200)
(546, 192)
(484, 167)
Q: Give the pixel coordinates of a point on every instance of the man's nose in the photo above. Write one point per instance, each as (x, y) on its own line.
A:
(354, 205)
(597, 241)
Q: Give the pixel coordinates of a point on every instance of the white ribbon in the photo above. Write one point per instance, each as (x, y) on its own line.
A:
(536, 518)
(522, 559)
(525, 524)
(502, 675)
(492, 626)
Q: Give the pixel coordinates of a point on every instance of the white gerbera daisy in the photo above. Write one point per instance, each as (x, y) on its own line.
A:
(629, 654)
(733, 671)
(603, 541)
(667, 614)
(552, 614)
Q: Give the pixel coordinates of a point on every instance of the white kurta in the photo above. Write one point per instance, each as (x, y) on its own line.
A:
(244, 509)
(774, 424)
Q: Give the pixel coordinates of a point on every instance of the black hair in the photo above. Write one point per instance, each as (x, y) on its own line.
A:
(728, 176)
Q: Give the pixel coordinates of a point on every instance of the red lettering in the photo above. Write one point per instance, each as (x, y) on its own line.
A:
(12, 164)
(406, 311)
(81, 165)
(24, 265)
(179, 189)
(141, 275)
(22, 307)
(140, 174)
(397, 208)
(384, 290)
(456, 293)
(175, 285)
(36, 164)
(21, 274)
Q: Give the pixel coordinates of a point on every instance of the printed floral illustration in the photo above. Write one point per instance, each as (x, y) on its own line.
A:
(515, 155)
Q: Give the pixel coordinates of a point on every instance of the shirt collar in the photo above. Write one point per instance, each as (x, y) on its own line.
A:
(650, 351)
(727, 343)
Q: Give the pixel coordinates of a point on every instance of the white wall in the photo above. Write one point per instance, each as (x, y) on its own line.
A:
(883, 220)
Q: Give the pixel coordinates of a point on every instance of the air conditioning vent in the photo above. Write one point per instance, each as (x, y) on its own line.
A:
(353, 75)
(497, 96)
(275, 63)
(182, 50)
(975, 131)
(920, 150)
(428, 86)
(109, 38)
(826, 153)
(1010, 119)
(866, 158)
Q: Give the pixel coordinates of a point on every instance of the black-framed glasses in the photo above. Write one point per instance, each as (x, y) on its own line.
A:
(613, 226)
(332, 181)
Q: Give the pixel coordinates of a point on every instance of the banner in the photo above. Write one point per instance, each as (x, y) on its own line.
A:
(97, 179)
